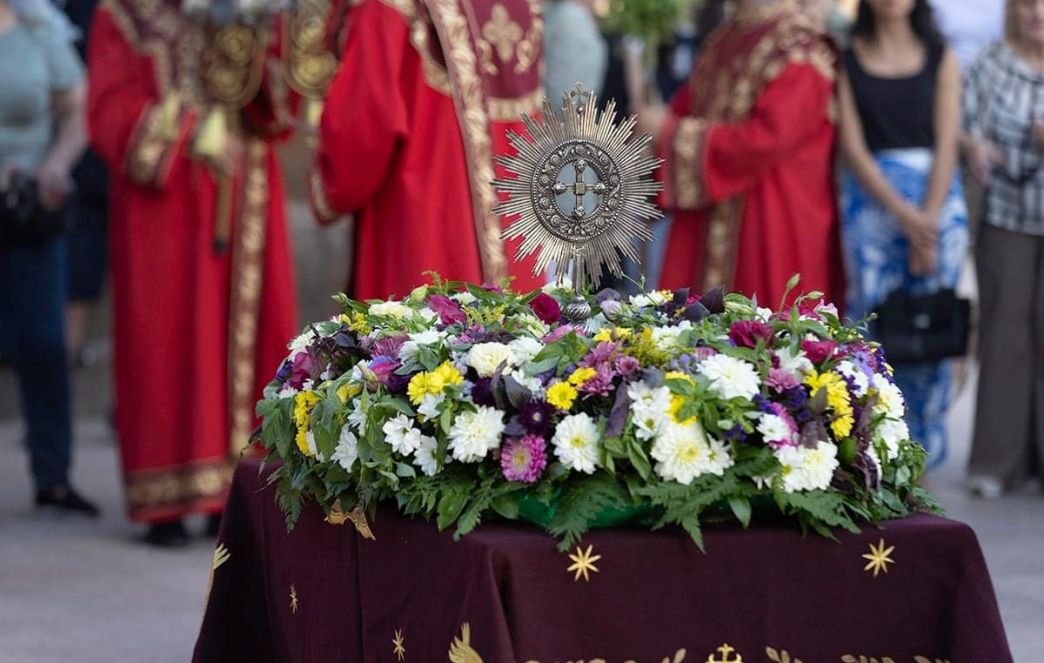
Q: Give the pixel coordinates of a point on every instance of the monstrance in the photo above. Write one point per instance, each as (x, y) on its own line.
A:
(582, 190)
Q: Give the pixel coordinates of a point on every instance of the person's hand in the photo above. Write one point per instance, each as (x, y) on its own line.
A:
(984, 155)
(922, 231)
(650, 118)
(53, 184)
(922, 261)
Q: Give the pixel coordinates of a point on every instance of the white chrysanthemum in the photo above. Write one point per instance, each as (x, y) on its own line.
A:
(486, 357)
(764, 314)
(669, 338)
(390, 310)
(429, 407)
(576, 443)
(424, 457)
(428, 337)
(301, 342)
(889, 398)
(463, 297)
(807, 469)
(858, 379)
(892, 433)
(524, 349)
(286, 392)
(401, 435)
(774, 428)
(347, 450)
(535, 387)
(795, 364)
(357, 417)
(649, 408)
(425, 314)
(731, 377)
(654, 298)
(683, 452)
(474, 434)
(532, 324)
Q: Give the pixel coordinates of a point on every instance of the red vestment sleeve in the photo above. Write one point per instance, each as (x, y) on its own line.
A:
(791, 109)
(365, 118)
(135, 131)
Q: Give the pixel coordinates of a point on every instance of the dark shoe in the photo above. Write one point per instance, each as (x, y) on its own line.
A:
(167, 535)
(213, 525)
(65, 500)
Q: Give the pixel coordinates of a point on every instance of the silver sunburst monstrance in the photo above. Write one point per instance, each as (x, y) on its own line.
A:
(582, 189)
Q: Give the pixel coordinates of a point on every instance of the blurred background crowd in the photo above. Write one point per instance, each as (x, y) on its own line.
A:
(882, 148)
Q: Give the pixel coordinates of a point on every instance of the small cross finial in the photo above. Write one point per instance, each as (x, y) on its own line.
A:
(725, 650)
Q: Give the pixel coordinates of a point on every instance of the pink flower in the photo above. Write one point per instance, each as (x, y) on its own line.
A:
(747, 333)
(818, 351)
(301, 369)
(523, 458)
(546, 308)
(702, 352)
(559, 333)
(626, 365)
(602, 382)
(781, 380)
(448, 310)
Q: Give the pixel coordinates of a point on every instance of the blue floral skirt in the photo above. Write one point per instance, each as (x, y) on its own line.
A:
(876, 264)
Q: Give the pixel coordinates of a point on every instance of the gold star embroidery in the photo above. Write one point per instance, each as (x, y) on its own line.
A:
(399, 645)
(583, 563)
(880, 557)
(293, 599)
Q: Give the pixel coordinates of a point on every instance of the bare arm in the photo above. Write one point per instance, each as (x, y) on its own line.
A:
(947, 135)
(70, 141)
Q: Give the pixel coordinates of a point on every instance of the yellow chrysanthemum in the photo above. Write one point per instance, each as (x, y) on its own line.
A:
(448, 374)
(304, 403)
(581, 375)
(837, 400)
(677, 400)
(562, 395)
(423, 384)
(603, 335)
(347, 391)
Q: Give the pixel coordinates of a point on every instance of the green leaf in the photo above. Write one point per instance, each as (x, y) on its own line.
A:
(405, 470)
(450, 506)
(581, 503)
(506, 505)
(741, 509)
(636, 454)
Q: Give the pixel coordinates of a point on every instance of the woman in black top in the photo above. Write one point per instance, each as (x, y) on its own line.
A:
(904, 222)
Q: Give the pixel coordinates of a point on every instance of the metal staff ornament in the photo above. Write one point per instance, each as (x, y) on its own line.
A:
(582, 189)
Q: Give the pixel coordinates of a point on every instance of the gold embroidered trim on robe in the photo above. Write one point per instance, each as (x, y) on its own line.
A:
(510, 110)
(324, 212)
(434, 73)
(152, 146)
(157, 491)
(687, 151)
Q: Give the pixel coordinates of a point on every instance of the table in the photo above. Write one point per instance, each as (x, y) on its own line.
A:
(913, 591)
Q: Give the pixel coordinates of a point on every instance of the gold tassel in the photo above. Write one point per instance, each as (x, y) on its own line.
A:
(169, 113)
(212, 138)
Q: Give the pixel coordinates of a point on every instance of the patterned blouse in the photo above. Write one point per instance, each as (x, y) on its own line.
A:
(1003, 96)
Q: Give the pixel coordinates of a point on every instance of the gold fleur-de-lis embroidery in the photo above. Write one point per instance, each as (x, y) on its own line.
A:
(399, 645)
(293, 599)
(502, 32)
(849, 658)
(781, 656)
(880, 557)
(583, 563)
(725, 650)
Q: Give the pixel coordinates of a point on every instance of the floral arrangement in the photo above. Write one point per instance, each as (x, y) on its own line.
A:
(462, 402)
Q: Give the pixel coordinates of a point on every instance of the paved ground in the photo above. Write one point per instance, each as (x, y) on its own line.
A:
(89, 592)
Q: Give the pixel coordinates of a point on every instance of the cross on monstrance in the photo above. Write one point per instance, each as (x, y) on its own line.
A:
(588, 224)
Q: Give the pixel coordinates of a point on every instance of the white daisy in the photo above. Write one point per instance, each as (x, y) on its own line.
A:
(731, 377)
(390, 310)
(774, 428)
(474, 434)
(649, 408)
(486, 357)
(347, 450)
(892, 433)
(856, 376)
(301, 342)
(401, 435)
(576, 443)
(684, 452)
(807, 469)
(889, 399)
(357, 417)
(429, 407)
(795, 364)
(424, 457)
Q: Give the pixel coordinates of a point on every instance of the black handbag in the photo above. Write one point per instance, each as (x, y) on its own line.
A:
(923, 328)
(22, 216)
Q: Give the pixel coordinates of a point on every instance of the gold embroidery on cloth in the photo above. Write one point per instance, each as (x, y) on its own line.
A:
(320, 202)
(849, 658)
(531, 44)
(509, 110)
(434, 73)
(688, 152)
(880, 557)
(781, 656)
(310, 64)
(583, 563)
(221, 555)
(726, 651)
(499, 34)
(925, 659)
(245, 305)
(148, 152)
(455, 35)
(293, 599)
(399, 645)
(358, 518)
(177, 486)
(460, 650)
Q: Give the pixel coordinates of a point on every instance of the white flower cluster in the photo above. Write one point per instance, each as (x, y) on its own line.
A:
(576, 443)
(730, 377)
(475, 434)
(807, 469)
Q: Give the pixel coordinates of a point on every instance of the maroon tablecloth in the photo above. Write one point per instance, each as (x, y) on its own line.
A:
(504, 594)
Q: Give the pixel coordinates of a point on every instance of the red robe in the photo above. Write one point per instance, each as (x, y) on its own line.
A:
(197, 332)
(749, 146)
(408, 134)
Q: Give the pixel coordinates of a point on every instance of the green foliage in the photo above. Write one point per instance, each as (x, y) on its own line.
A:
(582, 503)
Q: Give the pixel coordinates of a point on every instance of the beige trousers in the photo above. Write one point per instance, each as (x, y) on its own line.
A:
(1009, 417)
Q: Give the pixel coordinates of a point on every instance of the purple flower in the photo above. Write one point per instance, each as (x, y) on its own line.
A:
(780, 380)
(602, 382)
(384, 368)
(524, 458)
(701, 352)
(627, 366)
(546, 308)
(448, 310)
(388, 346)
(559, 333)
(283, 373)
(301, 369)
(748, 333)
(535, 416)
(736, 433)
(482, 392)
(603, 353)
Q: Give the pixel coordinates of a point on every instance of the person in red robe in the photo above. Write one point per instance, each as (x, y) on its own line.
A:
(409, 132)
(203, 291)
(749, 149)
